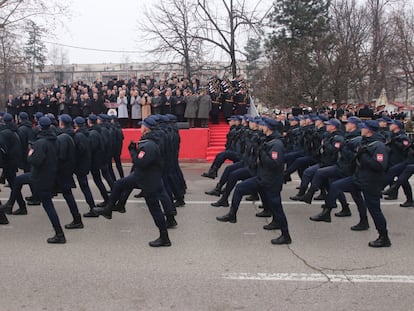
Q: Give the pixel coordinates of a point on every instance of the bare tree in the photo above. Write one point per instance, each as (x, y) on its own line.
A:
(403, 27)
(222, 22)
(11, 62)
(172, 26)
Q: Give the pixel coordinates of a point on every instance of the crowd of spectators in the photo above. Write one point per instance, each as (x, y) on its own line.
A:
(131, 100)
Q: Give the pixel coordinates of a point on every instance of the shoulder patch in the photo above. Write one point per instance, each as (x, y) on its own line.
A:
(275, 155)
(31, 150)
(337, 145)
(380, 157)
(141, 154)
(406, 142)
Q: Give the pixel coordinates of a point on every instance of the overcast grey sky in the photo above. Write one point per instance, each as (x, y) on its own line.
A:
(107, 26)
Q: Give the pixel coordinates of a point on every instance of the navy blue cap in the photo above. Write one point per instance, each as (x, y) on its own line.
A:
(293, 118)
(149, 122)
(234, 118)
(65, 118)
(372, 125)
(172, 117)
(103, 117)
(384, 119)
(321, 117)
(23, 116)
(269, 123)
(44, 122)
(246, 117)
(79, 120)
(164, 119)
(398, 123)
(333, 122)
(353, 120)
(257, 120)
(93, 117)
(38, 115)
(7, 117)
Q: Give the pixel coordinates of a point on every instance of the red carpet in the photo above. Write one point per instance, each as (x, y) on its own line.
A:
(217, 139)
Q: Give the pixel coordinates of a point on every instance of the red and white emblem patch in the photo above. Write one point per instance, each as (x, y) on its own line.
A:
(337, 145)
(30, 152)
(380, 157)
(275, 154)
(141, 154)
(406, 142)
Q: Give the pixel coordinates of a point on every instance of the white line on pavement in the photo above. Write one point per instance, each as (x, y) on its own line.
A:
(319, 277)
(396, 203)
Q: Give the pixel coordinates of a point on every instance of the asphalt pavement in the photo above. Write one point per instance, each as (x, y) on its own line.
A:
(108, 265)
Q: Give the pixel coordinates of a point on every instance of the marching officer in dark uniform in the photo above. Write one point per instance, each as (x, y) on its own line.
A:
(83, 156)
(344, 167)
(66, 167)
(117, 148)
(268, 182)
(398, 147)
(10, 142)
(366, 183)
(230, 153)
(108, 144)
(43, 159)
(255, 138)
(26, 134)
(147, 175)
(97, 161)
(328, 148)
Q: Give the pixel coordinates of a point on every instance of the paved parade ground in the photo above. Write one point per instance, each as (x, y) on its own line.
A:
(108, 265)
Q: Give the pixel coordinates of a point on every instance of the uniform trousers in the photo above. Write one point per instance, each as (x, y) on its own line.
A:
(270, 197)
(364, 199)
(225, 155)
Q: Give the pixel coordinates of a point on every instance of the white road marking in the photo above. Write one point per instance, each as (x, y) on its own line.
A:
(396, 203)
(319, 277)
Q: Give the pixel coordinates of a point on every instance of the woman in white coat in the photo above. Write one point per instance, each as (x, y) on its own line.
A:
(136, 114)
(122, 101)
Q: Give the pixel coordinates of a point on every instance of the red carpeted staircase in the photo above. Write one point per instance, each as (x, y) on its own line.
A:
(217, 139)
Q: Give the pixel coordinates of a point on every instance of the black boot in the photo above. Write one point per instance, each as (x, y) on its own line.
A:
(273, 225)
(307, 198)
(139, 195)
(230, 217)
(324, 216)
(216, 191)
(345, 212)
(253, 197)
(382, 241)
(171, 222)
(20, 211)
(163, 240)
(299, 195)
(120, 208)
(392, 193)
(6, 208)
(59, 237)
(104, 211)
(91, 213)
(264, 213)
(179, 202)
(221, 202)
(362, 225)
(286, 178)
(76, 223)
(33, 202)
(408, 203)
(3, 219)
(102, 204)
(321, 196)
(212, 172)
(283, 239)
